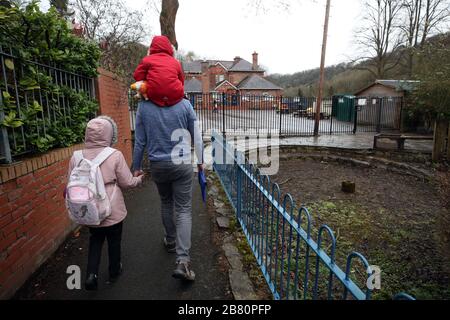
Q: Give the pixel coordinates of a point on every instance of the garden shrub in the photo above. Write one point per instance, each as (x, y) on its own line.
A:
(35, 105)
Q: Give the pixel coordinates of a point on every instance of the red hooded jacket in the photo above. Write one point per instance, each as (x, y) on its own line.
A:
(163, 73)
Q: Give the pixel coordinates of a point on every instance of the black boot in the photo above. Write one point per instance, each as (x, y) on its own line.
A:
(114, 277)
(91, 283)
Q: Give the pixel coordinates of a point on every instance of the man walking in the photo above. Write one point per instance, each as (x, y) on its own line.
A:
(167, 133)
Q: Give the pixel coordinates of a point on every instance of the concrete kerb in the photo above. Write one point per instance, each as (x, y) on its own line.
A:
(241, 285)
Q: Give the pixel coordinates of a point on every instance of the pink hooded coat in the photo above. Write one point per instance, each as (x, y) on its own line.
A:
(99, 134)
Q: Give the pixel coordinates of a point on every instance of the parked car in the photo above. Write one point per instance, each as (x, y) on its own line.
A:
(289, 106)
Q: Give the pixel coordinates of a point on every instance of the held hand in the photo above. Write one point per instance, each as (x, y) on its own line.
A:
(141, 180)
(138, 173)
(201, 167)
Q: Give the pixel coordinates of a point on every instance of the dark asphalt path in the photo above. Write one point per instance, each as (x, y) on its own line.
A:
(147, 266)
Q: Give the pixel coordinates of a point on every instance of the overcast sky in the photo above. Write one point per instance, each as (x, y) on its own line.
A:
(287, 42)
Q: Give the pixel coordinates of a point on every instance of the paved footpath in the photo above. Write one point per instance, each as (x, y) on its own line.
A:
(147, 266)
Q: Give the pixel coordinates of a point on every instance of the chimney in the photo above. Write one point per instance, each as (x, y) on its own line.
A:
(205, 66)
(255, 61)
(237, 59)
(205, 76)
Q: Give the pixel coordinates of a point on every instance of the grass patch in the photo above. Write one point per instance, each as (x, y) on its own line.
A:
(391, 245)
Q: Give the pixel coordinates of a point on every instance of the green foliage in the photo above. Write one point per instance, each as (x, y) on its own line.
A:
(45, 37)
(11, 120)
(41, 114)
(432, 97)
(66, 128)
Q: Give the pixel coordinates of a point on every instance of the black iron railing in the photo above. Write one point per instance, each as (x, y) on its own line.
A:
(292, 116)
(35, 99)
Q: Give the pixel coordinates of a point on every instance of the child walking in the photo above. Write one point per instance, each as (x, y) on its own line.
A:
(101, 134)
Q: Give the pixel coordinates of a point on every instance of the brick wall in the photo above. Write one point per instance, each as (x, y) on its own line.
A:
(216, 71)
(33, 217)
(113, 99)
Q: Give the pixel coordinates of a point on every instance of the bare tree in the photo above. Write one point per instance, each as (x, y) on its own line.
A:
(118, 29)
(422, 18)
(62, 6)
(110, 20)
(379, 38)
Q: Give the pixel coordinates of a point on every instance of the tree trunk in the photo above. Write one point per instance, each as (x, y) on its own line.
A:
(410, 63)
(440, 136)
(167, 20)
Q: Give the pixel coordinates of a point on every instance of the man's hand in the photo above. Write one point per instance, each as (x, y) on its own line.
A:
(201, 167)
(138, 173)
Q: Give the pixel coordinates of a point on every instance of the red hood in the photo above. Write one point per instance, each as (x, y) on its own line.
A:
(161, 44)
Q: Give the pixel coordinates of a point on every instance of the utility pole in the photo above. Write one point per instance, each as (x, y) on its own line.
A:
(322, 69)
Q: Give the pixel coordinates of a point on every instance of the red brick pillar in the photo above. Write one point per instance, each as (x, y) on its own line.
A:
(112, 94)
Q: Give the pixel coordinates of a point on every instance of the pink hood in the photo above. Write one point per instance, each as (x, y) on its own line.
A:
(99, 133)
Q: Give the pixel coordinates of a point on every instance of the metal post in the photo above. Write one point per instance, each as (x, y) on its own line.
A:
(331, 116)
(400, 125)
(223, 114)
(379, 109)
(355, 124)
(322, 68)
(281, 115)
(5, 149)
(238, 185)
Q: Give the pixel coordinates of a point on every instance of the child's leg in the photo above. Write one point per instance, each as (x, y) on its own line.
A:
(95, 249)
(114, 236)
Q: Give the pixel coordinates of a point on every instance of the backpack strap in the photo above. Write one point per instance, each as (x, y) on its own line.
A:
(102, 156)
(78, 155)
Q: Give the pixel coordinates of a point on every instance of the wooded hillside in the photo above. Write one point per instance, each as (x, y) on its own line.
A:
(346, 77)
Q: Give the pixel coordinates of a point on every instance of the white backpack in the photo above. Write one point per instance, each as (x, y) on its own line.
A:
(86, 198)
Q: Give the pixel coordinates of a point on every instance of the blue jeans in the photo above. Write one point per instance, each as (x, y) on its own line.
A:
(174, 183)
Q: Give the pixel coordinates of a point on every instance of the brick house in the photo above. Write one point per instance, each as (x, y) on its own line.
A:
(232, 77)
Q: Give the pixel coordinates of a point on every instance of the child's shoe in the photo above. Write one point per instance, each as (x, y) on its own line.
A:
(113, 278)
(91, 283)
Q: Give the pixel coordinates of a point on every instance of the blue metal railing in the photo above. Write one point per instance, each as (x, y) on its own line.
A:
(280, 235)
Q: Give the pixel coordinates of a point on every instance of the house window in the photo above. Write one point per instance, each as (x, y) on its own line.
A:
(220, 78)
